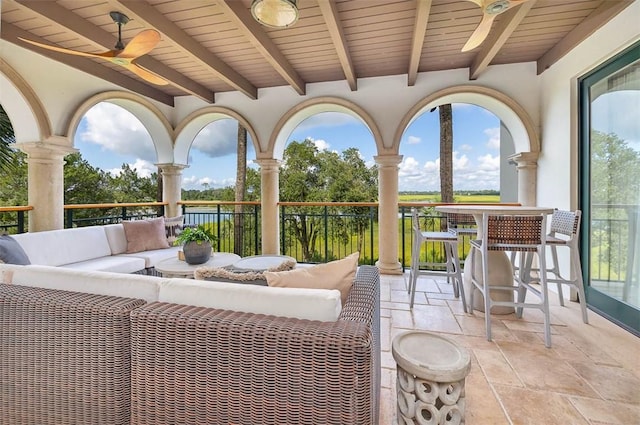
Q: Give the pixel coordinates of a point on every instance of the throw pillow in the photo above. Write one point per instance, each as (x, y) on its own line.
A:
(11, 252)
(221, 274)
(173, 227)
(338, 274)
(145, 235)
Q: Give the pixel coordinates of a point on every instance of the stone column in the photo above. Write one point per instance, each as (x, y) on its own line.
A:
(45, 162)
(388, 214)
(270, 196)
(527, 166)
(172, 187)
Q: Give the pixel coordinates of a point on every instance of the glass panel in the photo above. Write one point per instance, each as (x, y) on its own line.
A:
(615, 184)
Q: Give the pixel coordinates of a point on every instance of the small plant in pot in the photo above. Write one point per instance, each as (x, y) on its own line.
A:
(197, 243)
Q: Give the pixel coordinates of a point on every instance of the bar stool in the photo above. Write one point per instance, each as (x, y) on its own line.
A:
(452, 262)
(564, 231)
(519, 233)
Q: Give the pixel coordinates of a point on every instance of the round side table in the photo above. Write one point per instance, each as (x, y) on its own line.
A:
(430, 382)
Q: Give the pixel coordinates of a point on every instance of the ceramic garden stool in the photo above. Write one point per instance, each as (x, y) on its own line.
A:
(431, 374)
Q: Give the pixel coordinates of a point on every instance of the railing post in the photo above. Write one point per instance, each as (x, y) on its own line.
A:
(404, 262)
(255, 230)
(371, 234)
(282, 230)
(218, 233)
(20, 221)
(326, 234)
(123, 213)
(69, 220)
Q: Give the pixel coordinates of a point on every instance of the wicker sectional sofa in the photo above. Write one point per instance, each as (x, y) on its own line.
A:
(71, 357)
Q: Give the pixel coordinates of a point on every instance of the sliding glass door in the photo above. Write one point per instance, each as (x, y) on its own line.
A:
(610, 180)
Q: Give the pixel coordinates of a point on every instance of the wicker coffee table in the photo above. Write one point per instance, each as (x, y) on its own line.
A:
(173, 267)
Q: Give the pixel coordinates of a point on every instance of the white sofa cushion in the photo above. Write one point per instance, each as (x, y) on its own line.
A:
(58, 247)
(301, 303)
(100, 283)
(112, 263)
(153, 257)
(116, 238)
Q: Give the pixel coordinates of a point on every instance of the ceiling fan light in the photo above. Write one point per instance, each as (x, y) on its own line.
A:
(275, 13)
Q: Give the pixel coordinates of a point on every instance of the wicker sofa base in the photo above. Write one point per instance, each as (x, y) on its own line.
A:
(76, 358)
(64, 357)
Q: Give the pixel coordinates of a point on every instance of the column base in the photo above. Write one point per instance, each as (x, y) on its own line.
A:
(389, 268)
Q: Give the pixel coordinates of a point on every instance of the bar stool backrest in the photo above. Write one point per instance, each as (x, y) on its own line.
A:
(566, 223)
(514, 232)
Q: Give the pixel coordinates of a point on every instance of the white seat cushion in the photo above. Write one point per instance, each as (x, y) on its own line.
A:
(113, 263)
(153, 257)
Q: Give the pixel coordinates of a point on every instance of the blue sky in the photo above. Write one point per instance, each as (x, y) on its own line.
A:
(109, 136)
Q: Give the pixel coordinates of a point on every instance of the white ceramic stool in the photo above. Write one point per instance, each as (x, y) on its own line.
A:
(431, 374)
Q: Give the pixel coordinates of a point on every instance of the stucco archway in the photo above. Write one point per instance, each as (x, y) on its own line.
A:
(28, 117)
(192, 124)
(152, 119)
(512, 115)
(296, 115)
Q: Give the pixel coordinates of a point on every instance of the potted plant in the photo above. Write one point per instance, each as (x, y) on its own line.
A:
(197, 243)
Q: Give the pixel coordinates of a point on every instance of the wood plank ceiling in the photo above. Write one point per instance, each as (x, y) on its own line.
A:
(210, 46)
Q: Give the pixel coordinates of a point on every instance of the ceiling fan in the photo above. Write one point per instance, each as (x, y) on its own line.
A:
(490, 9)
(122, 55)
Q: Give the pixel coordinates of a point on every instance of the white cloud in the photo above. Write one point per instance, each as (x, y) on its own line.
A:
(321, 145)
(194, 182)
(494, 137)
(143, 168)
(117, 130)
(220, 138)
(466, 148)
(466, 175)
(413, 140)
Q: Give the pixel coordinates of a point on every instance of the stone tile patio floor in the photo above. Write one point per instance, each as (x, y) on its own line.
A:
(591, 375)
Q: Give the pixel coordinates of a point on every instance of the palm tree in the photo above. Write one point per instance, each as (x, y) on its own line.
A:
(7, 136)
(241, 184)
(446, 152)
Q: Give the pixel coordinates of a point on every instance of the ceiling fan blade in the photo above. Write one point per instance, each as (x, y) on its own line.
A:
(140, 45)
(480, 33)
(70, 52)
(478, 2)
(146, 75)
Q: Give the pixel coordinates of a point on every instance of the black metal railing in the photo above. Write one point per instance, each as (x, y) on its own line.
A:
(12, 219)
(84, 215)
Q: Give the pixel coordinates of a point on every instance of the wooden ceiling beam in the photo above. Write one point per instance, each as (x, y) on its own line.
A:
(11, 33)
(498, 36)
(597, 18)
(105, 40)
(423, 8)
(241, 17)
(148, 14)
(332, 19)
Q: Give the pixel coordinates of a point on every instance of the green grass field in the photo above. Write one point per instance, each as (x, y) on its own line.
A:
(457, 198)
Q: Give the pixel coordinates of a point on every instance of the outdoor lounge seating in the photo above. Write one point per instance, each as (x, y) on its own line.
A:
(69, 356)
(94, 248)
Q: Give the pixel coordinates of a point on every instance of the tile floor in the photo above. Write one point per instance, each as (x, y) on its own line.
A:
(591, 375)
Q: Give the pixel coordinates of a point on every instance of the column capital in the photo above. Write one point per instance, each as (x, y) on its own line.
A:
(525, 159)
(388, 160)
(170, 168)
(269, 164)
(54, 147)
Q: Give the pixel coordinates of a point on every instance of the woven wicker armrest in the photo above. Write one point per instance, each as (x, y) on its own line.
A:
(64, 357)
(194, 365)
